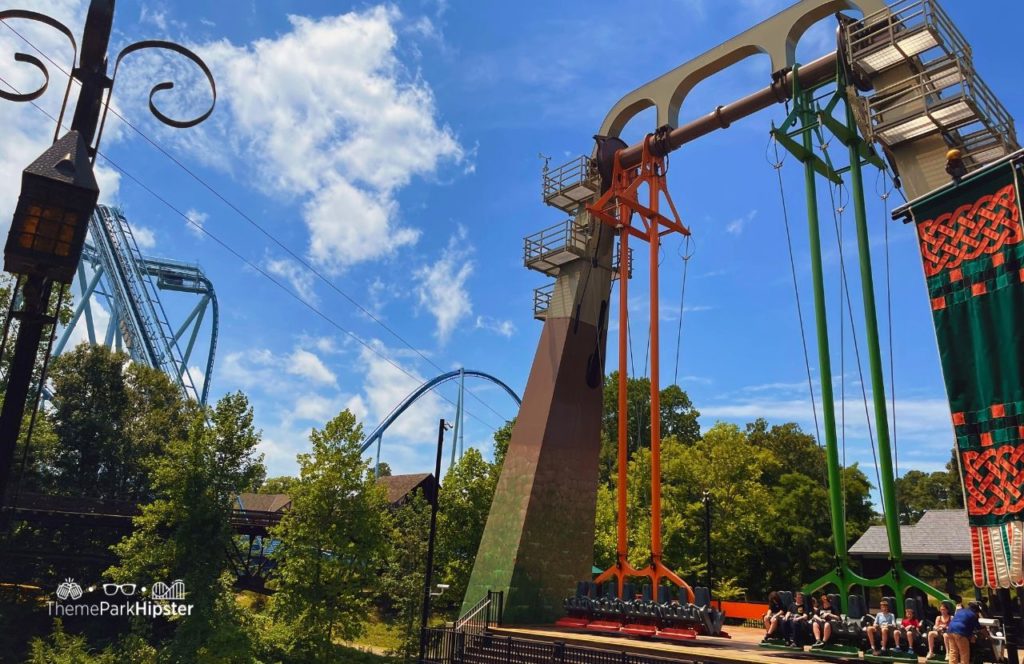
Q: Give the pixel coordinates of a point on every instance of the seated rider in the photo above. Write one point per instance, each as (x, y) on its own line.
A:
(821, 624)
(911, 627)
(939, 628)
(797, 624)
(774, 616)
(885, 621)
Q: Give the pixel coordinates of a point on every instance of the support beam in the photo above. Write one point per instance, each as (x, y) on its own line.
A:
(781, 90)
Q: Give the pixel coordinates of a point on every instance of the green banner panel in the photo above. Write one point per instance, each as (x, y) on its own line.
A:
(972, 247)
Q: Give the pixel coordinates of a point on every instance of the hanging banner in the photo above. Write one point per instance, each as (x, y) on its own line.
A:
(972, 247)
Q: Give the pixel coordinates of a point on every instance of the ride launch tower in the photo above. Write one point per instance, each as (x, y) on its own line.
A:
(902, 96)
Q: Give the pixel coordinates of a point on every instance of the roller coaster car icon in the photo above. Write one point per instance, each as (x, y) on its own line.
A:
(175, 591)
(69, 590)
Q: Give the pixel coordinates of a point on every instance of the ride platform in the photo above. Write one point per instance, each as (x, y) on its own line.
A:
(742, 647)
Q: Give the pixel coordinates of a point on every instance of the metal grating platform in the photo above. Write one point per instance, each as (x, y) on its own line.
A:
(947, 96)
(548, 250)
(570, 184)
(906, 30)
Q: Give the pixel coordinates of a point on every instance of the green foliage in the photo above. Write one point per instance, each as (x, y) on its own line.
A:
(401, 581)
(282, 484)
(918, 492)
(465, 503)
(332, 536)
(679, 419)
(185, 531)
(110, 419)
(770, 525)
(729, 589)
(502, 437)
(63, 648)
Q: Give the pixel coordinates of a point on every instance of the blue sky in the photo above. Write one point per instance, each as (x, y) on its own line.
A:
(395, 147)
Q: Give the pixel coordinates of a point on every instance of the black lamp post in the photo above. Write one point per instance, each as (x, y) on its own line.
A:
(59, 194)
(706, 499)
(441, 427)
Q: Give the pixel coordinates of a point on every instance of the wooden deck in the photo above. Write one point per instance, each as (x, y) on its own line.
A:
(742, 647)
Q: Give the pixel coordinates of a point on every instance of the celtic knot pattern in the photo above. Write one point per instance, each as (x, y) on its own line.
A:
(970, 231)
(993, 477)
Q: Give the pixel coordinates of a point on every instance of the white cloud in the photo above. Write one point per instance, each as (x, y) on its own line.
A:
(155, 17)
(144, 237)
(327, 114)
(306, 364)
(505, 328)
(441, 286)
(301, 279)
(736, 226)
(384, 387)
(198, 222)
(316, 408)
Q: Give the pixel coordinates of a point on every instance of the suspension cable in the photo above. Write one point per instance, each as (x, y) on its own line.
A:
(777, 165)
(853, 328)
(686, 256)
(884, 193)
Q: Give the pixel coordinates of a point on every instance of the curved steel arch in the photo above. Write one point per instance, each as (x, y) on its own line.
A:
(376, 434)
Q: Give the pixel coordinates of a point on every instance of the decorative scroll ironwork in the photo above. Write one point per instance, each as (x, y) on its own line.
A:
(37, 63)
(165, 85)
(128, 50)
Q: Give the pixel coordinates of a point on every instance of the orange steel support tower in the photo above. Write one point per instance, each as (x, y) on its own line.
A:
(616, 208)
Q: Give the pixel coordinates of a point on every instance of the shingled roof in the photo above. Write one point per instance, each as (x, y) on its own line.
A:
(938, 534)
(263, 502)
(400, 486)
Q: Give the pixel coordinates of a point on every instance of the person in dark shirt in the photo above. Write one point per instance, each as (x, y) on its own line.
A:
(958, 636)
(774, 616)
(797, 624)
(822, 622)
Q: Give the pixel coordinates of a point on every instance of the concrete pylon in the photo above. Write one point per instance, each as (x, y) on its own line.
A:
(539, 538)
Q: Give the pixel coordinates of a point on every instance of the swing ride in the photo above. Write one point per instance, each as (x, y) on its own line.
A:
(899, 95)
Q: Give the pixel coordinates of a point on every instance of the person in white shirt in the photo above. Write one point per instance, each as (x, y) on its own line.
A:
(885, 622)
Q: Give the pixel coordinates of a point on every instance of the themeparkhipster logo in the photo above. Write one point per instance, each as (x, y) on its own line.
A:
(120, 599)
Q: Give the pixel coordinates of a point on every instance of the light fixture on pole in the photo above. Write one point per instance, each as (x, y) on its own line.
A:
(59, 194)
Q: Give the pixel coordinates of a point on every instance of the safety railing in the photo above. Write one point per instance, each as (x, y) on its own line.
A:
(542, 300)
(945, 97)
(483, 615)
(568, 185)
(547, 250)
(904, 30)
(447, 646)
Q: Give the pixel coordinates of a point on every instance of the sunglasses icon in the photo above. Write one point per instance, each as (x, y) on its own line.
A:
(126, 589)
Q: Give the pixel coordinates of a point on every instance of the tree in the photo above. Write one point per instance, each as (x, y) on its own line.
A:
(679, 419)
(401, 580)
(502, 437)
(918, 491)
(331, 539)
(281, 484)
(185, 531)
(770, 518)
(110, 419)
(465, 502)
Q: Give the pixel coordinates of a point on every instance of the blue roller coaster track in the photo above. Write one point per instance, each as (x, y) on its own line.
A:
(377, 435)
(131, 285)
